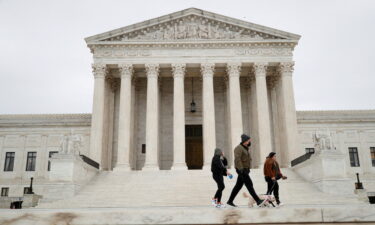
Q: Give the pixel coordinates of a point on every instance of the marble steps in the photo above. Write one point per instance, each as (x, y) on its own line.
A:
(184, 188)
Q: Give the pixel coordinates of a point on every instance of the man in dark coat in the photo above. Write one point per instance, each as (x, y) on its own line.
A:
(242, 164)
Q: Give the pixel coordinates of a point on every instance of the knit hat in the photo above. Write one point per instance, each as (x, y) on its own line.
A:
(218, 151)
(244, 138)
(271, 154)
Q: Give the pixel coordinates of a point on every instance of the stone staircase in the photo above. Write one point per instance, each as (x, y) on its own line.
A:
(186, 188)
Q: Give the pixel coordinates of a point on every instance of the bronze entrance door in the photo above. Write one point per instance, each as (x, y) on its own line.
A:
(194, 146)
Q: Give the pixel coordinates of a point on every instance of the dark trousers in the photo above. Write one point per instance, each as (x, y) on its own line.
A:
(220, 186)
(243, 178)
(272, 186)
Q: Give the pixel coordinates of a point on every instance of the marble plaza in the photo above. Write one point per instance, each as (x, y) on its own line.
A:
(167, 91)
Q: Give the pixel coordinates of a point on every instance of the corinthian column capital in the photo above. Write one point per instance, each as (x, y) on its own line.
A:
(260, 68)
(207, 69)
(286, 67)
(178, 70)
(152, 70)
(234, 69)
(99, 70)
(126, 70)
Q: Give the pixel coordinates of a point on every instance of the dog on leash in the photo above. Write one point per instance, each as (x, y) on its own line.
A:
(270, 200)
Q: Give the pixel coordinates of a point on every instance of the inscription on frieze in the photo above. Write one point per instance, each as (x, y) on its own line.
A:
(264, 51)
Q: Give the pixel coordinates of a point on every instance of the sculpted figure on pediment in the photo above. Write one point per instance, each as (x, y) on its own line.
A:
(181, 31)
(203, 31)
(193, 28)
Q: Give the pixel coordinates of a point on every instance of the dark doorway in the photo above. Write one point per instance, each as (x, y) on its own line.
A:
(194, 147)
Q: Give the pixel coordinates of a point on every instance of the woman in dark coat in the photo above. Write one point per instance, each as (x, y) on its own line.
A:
(218, 169)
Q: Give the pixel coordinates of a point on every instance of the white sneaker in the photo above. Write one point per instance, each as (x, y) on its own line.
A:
(280, 204)
(213, 202)
(220, 206)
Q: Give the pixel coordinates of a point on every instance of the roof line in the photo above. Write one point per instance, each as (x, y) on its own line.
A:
(190, 11)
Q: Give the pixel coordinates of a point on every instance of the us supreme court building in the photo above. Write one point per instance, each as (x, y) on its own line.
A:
(168, 91)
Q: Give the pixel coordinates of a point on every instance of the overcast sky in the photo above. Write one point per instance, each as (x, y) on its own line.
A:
(45, 66)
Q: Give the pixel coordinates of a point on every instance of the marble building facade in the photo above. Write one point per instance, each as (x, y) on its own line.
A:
(147, 75)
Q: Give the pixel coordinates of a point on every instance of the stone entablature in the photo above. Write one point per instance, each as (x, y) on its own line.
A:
(337, 116)
(27, 120)
(242, 53)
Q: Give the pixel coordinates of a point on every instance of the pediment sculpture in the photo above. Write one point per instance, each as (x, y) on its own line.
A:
(193, 28)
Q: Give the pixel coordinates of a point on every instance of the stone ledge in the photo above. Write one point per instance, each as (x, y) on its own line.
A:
(193, 215)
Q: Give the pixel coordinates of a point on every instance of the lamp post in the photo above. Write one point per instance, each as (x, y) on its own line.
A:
(31, 186)
(358, 185)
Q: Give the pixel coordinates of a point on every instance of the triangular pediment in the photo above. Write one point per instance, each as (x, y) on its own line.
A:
(192, 24)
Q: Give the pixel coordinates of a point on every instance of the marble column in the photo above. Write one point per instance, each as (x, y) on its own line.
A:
(209, 132)
(274, 120)
(178, 117)
(97, 118)
(152, 117)
(263, 118)
(287, 112)
(124, 127)
(235, 109)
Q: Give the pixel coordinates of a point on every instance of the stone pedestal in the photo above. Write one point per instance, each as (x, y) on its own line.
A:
(30, 200)
(327, 170)
(362, 195)
(68, 173)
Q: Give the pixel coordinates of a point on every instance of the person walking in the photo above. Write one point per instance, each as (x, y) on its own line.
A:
(218, 169)
(242, 162)
(272, 173)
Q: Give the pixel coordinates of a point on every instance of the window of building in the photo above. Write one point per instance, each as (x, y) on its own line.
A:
(372, 150)
(354, 159)
(4, 191)
(49, 162)
(9, 161)
(31, 160)
(143, 148)
(310, 150)
(26, 190)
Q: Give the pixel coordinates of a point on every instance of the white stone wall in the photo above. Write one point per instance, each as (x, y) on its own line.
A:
(41, 134)
(348, 129)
